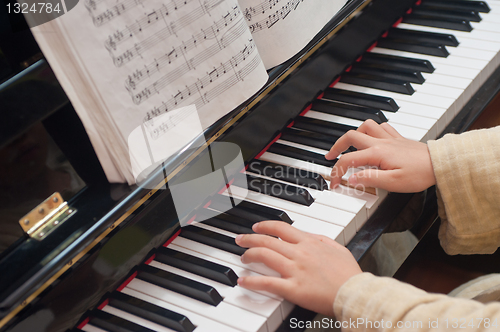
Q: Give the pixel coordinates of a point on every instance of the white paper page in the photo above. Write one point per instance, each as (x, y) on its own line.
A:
(281, 28)
(144, 58)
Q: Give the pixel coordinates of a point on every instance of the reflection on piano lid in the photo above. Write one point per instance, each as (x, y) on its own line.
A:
(122, 262)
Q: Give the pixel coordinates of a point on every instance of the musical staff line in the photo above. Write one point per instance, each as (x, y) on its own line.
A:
(146, 21)
(259, 9)
(161, 35)
(206, 81)
(240, 75)
(272, 19)
(207, 34)
(113, 12)
(190, 64)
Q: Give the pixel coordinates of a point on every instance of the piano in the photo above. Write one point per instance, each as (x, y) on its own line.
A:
(114, 258)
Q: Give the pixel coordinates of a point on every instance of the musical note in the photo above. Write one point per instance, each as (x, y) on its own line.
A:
(216, 74)
(271, 19)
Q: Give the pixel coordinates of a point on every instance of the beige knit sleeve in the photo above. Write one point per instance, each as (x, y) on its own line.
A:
(467, 169)
(369, 303)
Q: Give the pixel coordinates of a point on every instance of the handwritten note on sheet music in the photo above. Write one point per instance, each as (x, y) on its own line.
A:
(281, 28)
(146, 58)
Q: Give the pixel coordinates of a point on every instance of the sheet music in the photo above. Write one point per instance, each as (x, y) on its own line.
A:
(281, 28)
(139, 59)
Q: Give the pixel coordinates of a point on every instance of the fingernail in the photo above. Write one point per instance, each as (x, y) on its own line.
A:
(242, 259)
(353, 180)
(238, 238)
(255, 226)
(241, 280)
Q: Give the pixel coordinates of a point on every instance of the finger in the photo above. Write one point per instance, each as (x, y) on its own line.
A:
(351, 160)
(352, 138)
(273, 285)
(373, 129)
(280, 229)
(375, 178)
(260, 240)
(390, 130)
(270, 258)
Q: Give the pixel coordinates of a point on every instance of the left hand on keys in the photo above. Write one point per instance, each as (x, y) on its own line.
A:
(312, 267)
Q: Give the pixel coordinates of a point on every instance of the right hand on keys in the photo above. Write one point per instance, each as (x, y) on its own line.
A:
(403, 165)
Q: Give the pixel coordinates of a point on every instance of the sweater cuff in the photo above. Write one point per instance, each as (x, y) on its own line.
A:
(466, 169)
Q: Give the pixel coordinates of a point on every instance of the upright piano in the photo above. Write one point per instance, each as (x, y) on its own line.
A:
(94, 256)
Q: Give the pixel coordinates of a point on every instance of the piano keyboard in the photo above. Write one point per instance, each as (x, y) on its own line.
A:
(417, 78)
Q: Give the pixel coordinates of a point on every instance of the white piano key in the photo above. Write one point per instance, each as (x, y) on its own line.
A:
(406, 130)
(446, 80)
(486, 25)
(435, 113)
(417, 98)
(91, 328)
(136, 319)
(324, 171)
(224, 313)
(401, 117)
(240, 271)
(245, 299)
(475, 34)
(451, 60)
(335, 200)
(302, 146)
(203, 324)
(476, 44)
(223, 256)
(300, 164)
(318, 211)
(333, 118)
(471, 53)
(285, 306)
(372, 201)
(214, 229)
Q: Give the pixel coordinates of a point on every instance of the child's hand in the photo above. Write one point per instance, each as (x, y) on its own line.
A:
(312, 267)
(403, 165)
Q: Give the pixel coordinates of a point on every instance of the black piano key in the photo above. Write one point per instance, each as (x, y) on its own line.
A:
(151, 312)
(411, 76)
(398, 62)
(348, 111)
(226, 222)
(376, 82)
(464, 14)
(321, 126)
(112, 323)
(424, 37)
(309, 138)
(250, 211)
(437, 22)
(480, 6)
(212, 239)
(420, 48)
(196, 265)
(291, 174)
(228, 226)
(296, 153)
(179, 284)
(317, 140)
(362, 99)
(280, 190)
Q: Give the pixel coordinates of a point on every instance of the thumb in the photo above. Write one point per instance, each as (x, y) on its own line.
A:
(372, 177)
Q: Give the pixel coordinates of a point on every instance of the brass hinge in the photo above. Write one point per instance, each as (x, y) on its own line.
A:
(43, 219)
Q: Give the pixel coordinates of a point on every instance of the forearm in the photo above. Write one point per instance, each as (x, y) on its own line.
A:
(384, 304)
